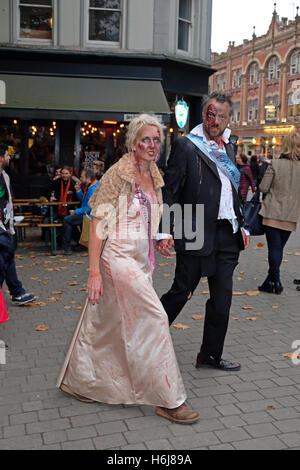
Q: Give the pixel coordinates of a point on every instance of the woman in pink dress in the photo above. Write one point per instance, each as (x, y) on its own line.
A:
(122, 351)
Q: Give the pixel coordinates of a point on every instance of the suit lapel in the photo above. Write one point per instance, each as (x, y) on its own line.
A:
(208, 162)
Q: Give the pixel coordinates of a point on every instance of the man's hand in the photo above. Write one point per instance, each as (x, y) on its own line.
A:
(77, 186)
(246, 239)
(164, 246)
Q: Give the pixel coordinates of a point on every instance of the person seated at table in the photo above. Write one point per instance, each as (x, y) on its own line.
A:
(98, 168)
(85, 190)
(63, 190)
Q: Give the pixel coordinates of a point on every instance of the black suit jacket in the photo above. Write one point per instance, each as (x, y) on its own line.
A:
(192, 178)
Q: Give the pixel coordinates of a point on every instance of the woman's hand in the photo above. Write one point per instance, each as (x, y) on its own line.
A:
(94, 287)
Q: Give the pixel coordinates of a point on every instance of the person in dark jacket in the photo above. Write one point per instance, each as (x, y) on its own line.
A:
(246, 180)
(254, 169)
(202, 173)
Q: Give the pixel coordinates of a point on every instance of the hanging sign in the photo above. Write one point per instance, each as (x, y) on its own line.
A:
(181, 113)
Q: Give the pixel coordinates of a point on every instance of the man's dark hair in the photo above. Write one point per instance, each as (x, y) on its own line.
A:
(89, 174)
(220, 98)
(3, 149)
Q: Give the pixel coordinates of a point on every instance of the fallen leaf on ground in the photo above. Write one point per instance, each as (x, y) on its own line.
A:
(297, 254)
(257, 314)
(84, 255)
(242, 272)
(42, 328)
(205, 292)
(67, 307)
(180, 326)
(55, 299)
(247, 308)
(163, 264)
(41, 304)
(238, 293)
(205, 281)
(234, 318)
(253, 293)
(75, 283)
(275, 307)
(198, 317)
(78, 308)
(79, 262)
(34, 278)
(240, 279)
(291, 355)
(260, 245)
(252, 318)
(57, 292)
(166, 275)
(270, 407)
(275, 331)
(285, 260)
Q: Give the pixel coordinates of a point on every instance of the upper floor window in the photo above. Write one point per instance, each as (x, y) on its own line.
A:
(218, 82)
(184, 25)
(250, 110)
(274, 69)
(36, 19)
(295, 63)
(255, 106)
(234, 78)
(254, 74)
(239, 77)
(291, 104)
(236, 114)
(105, 20)
(224, 81)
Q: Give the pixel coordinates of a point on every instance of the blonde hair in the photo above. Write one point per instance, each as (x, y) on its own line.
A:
(136, 125)
(291, 146)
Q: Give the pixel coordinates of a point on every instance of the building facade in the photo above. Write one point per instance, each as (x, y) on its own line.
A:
(263, 77)
(73, 73)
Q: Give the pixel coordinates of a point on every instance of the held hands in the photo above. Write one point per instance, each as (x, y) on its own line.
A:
(94, 288)
(164, 246)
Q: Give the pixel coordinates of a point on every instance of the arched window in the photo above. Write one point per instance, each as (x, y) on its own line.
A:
(250, 110)
(274, 68)
(254, 74)
(295, 63)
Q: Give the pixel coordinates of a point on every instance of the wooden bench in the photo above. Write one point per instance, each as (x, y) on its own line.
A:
(52, 228)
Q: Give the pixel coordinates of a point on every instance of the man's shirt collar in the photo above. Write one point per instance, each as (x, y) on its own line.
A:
(198, 130)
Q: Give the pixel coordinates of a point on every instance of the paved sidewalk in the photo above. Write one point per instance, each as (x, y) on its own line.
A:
(256, 408)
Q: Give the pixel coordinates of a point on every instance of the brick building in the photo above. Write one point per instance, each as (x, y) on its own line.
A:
(263, 76)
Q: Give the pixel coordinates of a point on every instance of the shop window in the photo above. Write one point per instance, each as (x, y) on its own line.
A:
(36, 19)
(184, 25)
(105, 20)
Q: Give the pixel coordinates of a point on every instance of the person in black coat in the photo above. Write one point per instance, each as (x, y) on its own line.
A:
(202, 173)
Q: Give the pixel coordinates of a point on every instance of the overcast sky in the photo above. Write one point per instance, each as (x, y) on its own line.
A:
(233, 20)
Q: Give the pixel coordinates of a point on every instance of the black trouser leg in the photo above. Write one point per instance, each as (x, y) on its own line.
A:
(187, 277)
(218, 306)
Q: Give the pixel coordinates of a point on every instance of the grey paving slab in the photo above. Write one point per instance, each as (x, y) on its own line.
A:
(256, 408)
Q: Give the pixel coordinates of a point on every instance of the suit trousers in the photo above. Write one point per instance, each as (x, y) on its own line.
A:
(219, 267)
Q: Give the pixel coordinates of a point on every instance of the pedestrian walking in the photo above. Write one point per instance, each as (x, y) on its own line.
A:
(280, 207)
(246, 180)
(202, 170)
(122, 351)
(16, 290)
(254, 169)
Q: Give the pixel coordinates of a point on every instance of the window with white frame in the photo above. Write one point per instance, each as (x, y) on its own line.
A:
(105, 20)
(218, 82)
(224, 81)
(295, 63)
(239, 77)
(35, 19)
(184, 25)
(274, 68)
(254, 74)
(250, 110)
(291, 104)
(234, 78)
(255, 109)
(236, 115)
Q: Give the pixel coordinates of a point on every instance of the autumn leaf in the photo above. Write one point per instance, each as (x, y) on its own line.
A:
(57, 292)
(270, 407)
(260, 245)
(240, 279)
(84, 255)
(42, 328)
(180, 326)
(297, 254)
(79, 262)
(79, 307)
(252, 318)
(67, 307)
(252, 293)
(275, 331)
(257, 314)
(205, 292)
(166, 275)
(238, 293)
(234, 318)
(198, 317)
(34, 278)
(73, 283)
(242, 272)
(275, 307)
(163, 264)
(41, 304)
(247, 308)
(291, 355)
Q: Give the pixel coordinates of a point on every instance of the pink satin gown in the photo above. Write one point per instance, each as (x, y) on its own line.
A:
(122, 351)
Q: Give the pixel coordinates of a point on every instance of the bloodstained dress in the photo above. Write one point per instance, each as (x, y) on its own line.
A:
(122, 351)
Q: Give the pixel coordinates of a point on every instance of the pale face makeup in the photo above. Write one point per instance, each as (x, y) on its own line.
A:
(147, 145)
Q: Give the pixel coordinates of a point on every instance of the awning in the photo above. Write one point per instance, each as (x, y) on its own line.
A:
(47, 97)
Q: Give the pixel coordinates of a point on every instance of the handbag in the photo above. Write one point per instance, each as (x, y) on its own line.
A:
(252, 217)
(85, 230)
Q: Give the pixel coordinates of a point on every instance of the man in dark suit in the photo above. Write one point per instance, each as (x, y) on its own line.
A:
(202, 171)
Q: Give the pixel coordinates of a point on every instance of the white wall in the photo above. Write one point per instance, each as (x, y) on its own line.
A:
(140, 25)
(4, 21)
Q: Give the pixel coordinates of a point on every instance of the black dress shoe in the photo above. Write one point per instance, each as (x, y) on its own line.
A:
(297, 282)
(267, 286)
(298, 288)
(221, 364)
(278, 289)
